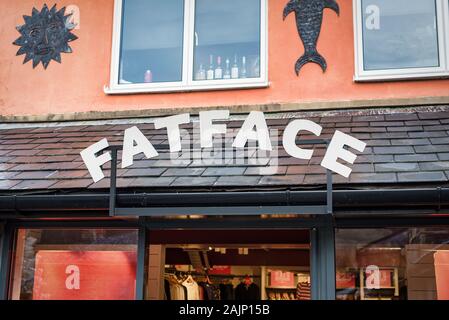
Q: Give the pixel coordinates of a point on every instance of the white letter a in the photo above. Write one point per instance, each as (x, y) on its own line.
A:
(134, 143)
(73, 280)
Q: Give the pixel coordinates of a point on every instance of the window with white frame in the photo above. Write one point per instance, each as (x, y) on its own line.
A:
(401, 39)
(187, 45)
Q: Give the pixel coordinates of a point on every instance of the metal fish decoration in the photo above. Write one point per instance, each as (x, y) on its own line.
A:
(309, 18)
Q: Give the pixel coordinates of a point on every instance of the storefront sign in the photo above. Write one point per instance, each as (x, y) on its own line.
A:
(85, 275)
(345, 280)
(253, 129)
(377, 278)
(282, 279)
(220, 270)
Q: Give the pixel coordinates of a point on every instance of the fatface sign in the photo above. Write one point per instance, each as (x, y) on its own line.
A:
(254, 129)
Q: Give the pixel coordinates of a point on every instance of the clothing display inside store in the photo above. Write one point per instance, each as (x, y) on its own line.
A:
(201, 287)
(392, 263)
(288, 285)
(229, 266)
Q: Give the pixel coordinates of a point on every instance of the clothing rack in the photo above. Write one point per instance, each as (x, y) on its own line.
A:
(199, 274)
(232, 276)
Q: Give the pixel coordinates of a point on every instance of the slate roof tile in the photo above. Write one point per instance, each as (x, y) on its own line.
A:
(105, 183)
(379, 117)
(266, 171)
(282, 180)
(409, 142)
(377, 143)
(183, 172)
(387, 124)
(369, 129)
(433, 115)
(30, 175)
(226, 171)
(306, 170)
(373, 177)
(24, 152)
(397, 167)
(72, 184)
(444, 140)
(8, 184)
(390, 135)
(153, 182)
(34, 184)
(237, 181)
(434, 166)
(4, 175)
(427, 134)
(144, 172)
(194, 181)
(421, 176)
(443, 156)
(4, 152)
(6, 166)
(416, 157)
(432, 148)
(393, 150)
(404, 128)
(437, 128)
(401, 117)
(410, 147)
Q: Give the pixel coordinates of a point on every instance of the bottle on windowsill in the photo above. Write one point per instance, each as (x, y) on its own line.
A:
(243, 72)
(227, 73)
(218, 70)
(201, 74)
(210, 71)
(148, 77)
(235, 69)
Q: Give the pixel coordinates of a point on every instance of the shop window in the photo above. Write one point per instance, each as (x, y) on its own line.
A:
(400, 39)
(186, 45)
(74, 264)
(229, 265)
(393, 264)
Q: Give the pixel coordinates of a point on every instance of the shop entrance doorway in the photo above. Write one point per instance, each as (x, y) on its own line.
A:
(238, 265)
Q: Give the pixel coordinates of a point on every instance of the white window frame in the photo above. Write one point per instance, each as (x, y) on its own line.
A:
(407, 73)
(187, 83)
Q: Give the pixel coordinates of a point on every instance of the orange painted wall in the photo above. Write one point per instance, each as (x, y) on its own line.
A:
(77, 84)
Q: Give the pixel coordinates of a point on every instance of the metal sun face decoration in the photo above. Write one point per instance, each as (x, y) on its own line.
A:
(45, 35)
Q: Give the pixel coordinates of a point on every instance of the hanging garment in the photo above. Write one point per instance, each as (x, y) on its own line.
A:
(211, 292)
(167, 294)
(303, 291)
(192, 289)
(226, 291)
(244, 292)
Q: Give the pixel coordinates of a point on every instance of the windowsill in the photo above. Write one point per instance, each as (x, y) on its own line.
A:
(135, 89)
(401, 77)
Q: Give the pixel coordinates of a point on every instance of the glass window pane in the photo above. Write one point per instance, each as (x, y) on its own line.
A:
(393, 264)
(74, 264)
(399, 34)
(227, 39)
(152, 41)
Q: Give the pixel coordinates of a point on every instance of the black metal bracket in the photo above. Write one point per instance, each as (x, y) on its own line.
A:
(148, 211)
(113, 180)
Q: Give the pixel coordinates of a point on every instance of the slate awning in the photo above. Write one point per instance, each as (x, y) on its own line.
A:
(405, 146)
